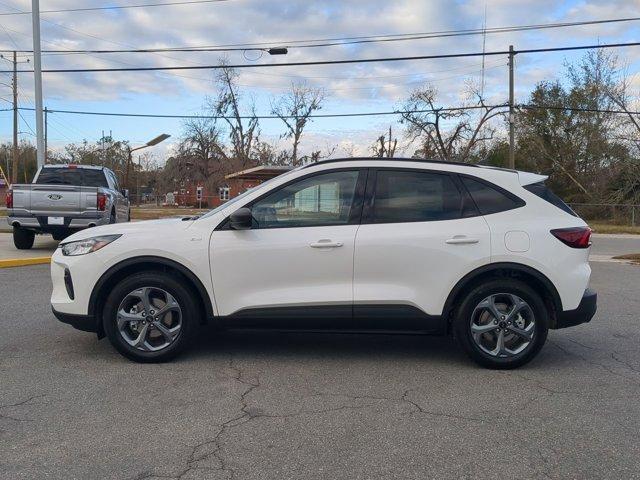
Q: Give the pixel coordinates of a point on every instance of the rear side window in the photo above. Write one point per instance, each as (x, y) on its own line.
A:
(545, 193)
(72, 176)
(490, 199)
(410, 196)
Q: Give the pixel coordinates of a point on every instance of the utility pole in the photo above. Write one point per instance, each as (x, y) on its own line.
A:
(14, 150)
(46, 135)
(37, 75)
(512, 158)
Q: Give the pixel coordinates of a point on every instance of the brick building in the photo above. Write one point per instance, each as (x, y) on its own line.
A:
(234, 184)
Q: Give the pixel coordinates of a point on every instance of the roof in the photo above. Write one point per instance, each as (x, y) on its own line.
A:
(73, 165)
(262, 172)
(415, 160)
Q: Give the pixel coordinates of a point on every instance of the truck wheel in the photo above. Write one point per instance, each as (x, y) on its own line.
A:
(501, 324)
(23, 238)
(59, 236)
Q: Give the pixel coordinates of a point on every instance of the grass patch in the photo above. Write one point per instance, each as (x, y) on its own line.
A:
(154, 213)
(607, 228)
(633, 257)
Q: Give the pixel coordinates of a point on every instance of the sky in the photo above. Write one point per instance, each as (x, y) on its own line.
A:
(349, 88)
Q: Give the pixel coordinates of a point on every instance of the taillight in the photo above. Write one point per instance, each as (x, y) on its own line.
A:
(102, 202)
(575, 237)
(9, 199)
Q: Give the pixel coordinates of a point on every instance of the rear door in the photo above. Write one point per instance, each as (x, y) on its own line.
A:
(420, 234)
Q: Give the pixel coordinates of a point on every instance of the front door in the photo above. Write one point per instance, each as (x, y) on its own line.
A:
(297, 259)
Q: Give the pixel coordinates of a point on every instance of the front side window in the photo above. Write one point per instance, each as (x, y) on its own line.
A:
(489, 199)
(324, 199)
(411, 196)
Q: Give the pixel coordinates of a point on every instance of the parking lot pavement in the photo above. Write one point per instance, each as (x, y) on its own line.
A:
(291, 406)
(43, 246)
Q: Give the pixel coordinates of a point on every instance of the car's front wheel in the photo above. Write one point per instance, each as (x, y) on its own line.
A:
(150, 317)
(502, 324)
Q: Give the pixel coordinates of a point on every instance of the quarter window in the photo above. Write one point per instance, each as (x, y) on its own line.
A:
(489, 199)
(325, 199)
(411, 196)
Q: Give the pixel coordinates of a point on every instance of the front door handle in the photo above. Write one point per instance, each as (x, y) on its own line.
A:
(461, 240)
(325, 243)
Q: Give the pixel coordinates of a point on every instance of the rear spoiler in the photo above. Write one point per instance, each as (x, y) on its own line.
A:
(528, 178)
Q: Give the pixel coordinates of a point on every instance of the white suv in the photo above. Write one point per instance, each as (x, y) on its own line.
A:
(488, 255)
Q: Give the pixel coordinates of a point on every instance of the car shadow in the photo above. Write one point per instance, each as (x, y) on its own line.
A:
(299, 346)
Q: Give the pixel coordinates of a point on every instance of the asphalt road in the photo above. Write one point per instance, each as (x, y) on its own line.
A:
(292, 406)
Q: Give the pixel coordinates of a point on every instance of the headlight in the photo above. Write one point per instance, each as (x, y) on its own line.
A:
(82, 247)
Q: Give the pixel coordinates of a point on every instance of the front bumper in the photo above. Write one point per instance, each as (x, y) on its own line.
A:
(583, 314)
(86, 323)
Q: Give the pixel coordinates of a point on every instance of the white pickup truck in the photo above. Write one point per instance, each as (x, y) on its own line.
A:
(63, 199)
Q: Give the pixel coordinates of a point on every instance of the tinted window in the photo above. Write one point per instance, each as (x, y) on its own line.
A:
(410, 196)
(490, 199)
(545, 193)
(94, 178)
(325, 199)
(72, 176)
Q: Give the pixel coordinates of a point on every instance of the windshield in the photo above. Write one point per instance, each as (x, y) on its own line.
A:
(243, 195)
(72, 176)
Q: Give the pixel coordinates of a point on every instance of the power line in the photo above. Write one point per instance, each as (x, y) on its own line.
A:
(268, 117)
(577, 109)
(332, 62)
(335, 41)
(115, 7)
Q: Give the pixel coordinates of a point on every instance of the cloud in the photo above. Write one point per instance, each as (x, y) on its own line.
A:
(372, 86)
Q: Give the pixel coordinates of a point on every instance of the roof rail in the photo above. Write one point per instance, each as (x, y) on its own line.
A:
(417, 160)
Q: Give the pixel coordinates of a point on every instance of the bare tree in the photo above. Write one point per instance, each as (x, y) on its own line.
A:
(295, 109)
(427, 122)
(385, 147)
(244, 129)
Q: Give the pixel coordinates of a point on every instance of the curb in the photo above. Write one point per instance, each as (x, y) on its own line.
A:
(22, 262)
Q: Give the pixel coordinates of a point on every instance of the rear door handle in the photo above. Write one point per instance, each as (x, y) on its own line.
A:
(325, 243)
(462, 240)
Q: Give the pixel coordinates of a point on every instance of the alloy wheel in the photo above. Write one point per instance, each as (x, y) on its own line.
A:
(503, 325)
(149, 319)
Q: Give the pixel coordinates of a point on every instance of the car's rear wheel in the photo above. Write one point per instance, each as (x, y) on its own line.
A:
(150, 317)
(22, 238)
(502, 324)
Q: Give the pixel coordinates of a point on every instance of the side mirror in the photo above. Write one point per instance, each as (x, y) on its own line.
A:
(125, 192)
(241, 219)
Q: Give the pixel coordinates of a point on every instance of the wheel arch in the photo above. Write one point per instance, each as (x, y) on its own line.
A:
(145, 263)
(534, 278)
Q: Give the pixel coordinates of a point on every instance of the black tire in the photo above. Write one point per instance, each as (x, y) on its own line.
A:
(183, 296)
(22, 238)
(464, 316)
(61, 235)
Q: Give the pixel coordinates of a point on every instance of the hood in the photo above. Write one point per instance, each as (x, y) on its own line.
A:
(172, 224)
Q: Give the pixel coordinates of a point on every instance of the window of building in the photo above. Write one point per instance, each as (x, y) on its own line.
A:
(223, 193)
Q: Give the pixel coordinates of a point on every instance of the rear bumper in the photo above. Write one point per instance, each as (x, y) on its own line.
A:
(583, 314)
(40, 223)
(86, 323)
